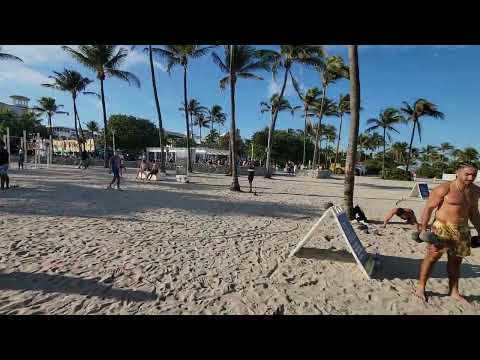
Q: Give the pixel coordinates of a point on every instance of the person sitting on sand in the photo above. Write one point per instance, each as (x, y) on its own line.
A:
(142, 168)
(402, 213)
(115, 163)
(153, 171)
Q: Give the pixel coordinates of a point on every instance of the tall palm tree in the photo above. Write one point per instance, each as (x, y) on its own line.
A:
(180, 55)
(343, 107)
(73, 82)
(307, 55)
(161, 134)
(216, 116)
(386, 119)
(5, 56)
(309, 99)
(445, 148)
(399, 150)
(326, 107)
(94, 128)
(105, 61)
(375, 141)
(414, 113)
(47, 105)
(331, 71)
(194, 109)
(362, 143)
(239, 61)
(329, 133)
(354, 125)
(275, 105)
(202, 122)
(469, 154)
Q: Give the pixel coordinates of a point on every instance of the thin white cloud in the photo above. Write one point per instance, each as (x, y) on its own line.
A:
(37, 54)
(15, 72)
(139, 57)
(274, 87)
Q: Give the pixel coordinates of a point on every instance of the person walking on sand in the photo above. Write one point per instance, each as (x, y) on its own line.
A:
(21, 159)
(115, 163)
(4, 179)
(456, 202)
(251, 173)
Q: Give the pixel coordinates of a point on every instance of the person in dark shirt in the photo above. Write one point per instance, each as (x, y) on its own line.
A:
(4, 179)
(251, 173)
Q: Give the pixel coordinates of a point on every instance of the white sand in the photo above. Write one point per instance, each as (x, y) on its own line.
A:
(200, 249)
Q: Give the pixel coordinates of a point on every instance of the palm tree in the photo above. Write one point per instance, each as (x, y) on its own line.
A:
(275, 105)
(326, 107)
(362, 143)
(239, 61)
(399, 151)
(180, 55)
(445, 148)
(94, 128)
(329, 133)
(420, 108)
(105, 61)
(469, 154)
(386, 119)
(73, 82)
(216, 115)
(309, 55)
(194, 109)
(354, 125)
(157, 105)
(343, 107)
(330, 72)
(309, 99)
(48, 106)
(375, 141)
(5, 56)
(202, 122)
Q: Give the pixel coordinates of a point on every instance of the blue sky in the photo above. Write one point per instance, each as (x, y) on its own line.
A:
(389, 74)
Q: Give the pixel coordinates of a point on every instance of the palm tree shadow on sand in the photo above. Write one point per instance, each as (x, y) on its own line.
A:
(49, 283)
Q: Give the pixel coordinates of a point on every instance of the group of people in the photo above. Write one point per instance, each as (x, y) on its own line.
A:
(455, 204)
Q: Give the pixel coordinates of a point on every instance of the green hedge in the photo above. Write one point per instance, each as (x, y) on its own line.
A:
(396, 174)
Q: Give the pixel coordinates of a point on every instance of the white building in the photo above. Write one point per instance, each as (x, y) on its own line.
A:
(19, 106)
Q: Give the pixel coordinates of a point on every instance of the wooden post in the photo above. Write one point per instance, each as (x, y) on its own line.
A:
(8, 145)
(37, 151)
(25, 147)
(50, 151)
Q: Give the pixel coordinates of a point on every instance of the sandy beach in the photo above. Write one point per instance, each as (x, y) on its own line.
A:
(68, 246)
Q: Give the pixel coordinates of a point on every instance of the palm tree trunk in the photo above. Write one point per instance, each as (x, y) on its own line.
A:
(105, 159)
(272, 126)
(189, 162)
(410, 147)
(338, 140)
(159, 114)
(317, 131)
(354, 125)
(269, 149)
(80, 128)
(235, 185)
(75, 122)
(305, 139)
(383, 160)
(50, 124)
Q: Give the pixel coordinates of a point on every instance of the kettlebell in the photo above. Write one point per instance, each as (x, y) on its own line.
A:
(475, 242)
(427, 237)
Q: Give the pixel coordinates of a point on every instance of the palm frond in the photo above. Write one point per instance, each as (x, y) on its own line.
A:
(125, 75)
